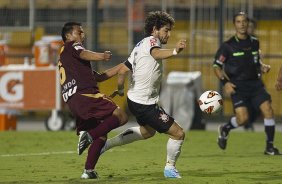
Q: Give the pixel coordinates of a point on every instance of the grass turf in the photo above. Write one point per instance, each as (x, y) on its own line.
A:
(50, 157)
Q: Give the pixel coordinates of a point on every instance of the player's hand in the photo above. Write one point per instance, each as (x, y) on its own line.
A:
(180, 45)
(107, 55)
(114, 94)
(265, 68)
(278, 85)
(229, 88)
(117, 92)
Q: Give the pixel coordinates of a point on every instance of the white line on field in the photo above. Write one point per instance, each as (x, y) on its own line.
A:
(38, 154)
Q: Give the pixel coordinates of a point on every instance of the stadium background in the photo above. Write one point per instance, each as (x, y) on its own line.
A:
(116, 24)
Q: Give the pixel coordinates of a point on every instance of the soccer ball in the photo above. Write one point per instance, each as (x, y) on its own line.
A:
(210, 102)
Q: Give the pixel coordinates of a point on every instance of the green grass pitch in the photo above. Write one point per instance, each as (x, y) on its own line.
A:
(50, 157)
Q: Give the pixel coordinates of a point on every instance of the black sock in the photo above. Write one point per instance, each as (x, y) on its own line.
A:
(269, 131)
(227, 127)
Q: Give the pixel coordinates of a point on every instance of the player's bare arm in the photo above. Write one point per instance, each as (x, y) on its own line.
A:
(278, 84)
(264, 67)
(122, 74)
(159, 53)
(95, 56)
(100, 77)
(228, 86)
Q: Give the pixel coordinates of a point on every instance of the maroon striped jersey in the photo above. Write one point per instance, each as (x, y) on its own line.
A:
(76, 74)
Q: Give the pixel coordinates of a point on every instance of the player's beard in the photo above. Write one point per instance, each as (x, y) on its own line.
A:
(82, 40)
(163, 40)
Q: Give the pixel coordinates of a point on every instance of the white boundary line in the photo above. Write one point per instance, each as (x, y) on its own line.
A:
(38, 154)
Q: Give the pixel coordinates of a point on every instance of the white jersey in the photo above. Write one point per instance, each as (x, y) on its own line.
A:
(146, 73)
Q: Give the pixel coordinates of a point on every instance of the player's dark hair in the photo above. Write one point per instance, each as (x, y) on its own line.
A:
(241, 13)
(68, 27)
(158, 19)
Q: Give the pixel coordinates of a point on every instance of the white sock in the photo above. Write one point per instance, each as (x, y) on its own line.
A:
(173, 152)
(128, 136)
(233, 121)
(269, 122)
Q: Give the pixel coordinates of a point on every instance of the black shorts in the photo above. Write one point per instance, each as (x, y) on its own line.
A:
(249, 93)
(152, 115)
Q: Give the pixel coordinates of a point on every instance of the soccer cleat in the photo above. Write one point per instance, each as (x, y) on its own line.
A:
(89, 174)
(222, 137)
(84, 141)
(271, 151)
(171, 173)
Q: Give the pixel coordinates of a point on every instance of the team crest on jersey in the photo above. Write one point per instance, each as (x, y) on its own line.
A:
(164, 117)
(221, 58)
(153, 42)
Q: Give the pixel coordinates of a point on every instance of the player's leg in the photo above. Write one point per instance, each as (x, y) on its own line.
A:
(253, 114)
(118, 118)
(98, 143)
(269, 127)
(111, 122)
(130, 135)
(144, 131)
(239, 101)
(174, 144)
(262, 99)
(158, 119)
(109, 116)
(241, 118)
(92, 158)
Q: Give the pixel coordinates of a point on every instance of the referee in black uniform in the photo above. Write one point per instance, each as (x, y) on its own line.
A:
(237, 65)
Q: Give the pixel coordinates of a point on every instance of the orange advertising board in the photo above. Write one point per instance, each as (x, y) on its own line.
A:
(28, 89)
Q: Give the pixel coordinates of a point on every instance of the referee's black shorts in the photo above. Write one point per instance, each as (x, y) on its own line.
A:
(152, 115)
(248, 93)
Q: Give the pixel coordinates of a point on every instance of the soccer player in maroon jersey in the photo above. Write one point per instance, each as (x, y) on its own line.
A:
(95, 113)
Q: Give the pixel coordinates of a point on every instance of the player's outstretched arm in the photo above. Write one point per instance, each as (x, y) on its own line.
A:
(100, 77)
(159, 53)
(95, 56)
(122, 74)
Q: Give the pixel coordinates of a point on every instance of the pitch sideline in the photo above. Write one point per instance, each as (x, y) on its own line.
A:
(52, 153)
(37, 154)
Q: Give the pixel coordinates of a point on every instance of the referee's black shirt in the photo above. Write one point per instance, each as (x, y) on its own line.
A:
(239, 58)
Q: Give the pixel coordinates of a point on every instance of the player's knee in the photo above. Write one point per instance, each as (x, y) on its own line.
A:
(148, 134)
(122, 116)
(267, 110)
(123, 119)
(242, 120)
(268, 113)
(179, 134)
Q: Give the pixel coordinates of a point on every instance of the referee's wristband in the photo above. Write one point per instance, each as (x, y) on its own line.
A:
(223, 81)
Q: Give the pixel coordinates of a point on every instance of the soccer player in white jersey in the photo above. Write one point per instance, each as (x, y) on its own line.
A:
(145, 63)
